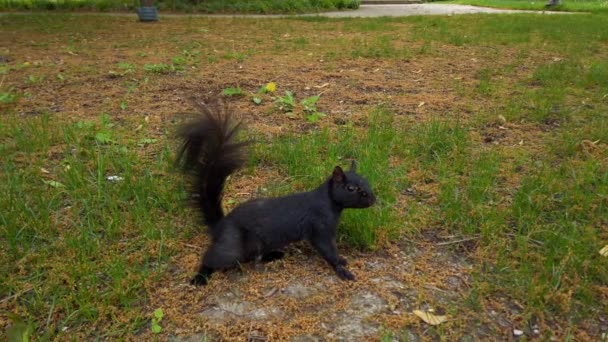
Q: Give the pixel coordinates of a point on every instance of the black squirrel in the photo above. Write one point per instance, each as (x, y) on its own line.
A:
(259, 228)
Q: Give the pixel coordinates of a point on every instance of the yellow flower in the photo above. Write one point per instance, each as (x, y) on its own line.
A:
(271, 87)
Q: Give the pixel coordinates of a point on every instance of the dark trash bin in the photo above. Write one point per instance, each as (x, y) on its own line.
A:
(147, 11)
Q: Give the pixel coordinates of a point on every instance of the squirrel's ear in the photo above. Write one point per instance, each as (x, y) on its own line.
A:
(353, 166)
(338, 175)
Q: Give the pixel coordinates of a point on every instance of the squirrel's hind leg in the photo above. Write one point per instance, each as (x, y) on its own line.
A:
(272, 256)
(224, 253)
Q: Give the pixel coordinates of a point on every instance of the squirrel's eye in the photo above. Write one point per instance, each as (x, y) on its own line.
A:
(351, 188)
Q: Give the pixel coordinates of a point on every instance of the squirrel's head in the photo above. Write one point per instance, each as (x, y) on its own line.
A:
(351, 190)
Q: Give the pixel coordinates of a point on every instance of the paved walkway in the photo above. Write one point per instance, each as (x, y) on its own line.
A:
(420, 9)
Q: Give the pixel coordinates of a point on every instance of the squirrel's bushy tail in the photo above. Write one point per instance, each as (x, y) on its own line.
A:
(209, 153)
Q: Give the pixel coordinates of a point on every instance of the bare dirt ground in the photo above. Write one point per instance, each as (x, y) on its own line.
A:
(297, 298)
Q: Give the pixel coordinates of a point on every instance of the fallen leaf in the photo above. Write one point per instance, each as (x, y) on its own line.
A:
(421, 104)
(322, 85)
(271, 292)
(429, 318)
(502, 119)
(54, 184)
(604, 251)
(114, 178)
(43, 170)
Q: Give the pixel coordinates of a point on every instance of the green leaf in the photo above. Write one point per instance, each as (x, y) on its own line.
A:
(54, 184)
(178, 60)
(314, 117)
(158, 313)
(103, 137)
(288, 101)
(123, 105)
(310, 103)
(85, 124)
(232, 91)
(263, 90)
(19, 330)
(106, 119)
(257, 100)
(156, 328)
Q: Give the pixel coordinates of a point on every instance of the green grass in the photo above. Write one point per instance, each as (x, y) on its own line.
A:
(61, 213)
(593, 6)
(207, 6)
(309, 161)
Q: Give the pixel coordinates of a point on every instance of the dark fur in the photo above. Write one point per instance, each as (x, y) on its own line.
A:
(261, 227)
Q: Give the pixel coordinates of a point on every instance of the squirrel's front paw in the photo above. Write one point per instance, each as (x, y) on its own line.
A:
(199, 280)
(344, 274)
(342, 261)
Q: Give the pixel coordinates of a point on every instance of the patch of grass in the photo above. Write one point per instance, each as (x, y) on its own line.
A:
(209, 6)
(559, 208)
(8, 96)
(233, 91)
(594, 6)
(160, 68)
(559, 34)
(438, 141)
(379, 47)
(310, 159)
(64, 224)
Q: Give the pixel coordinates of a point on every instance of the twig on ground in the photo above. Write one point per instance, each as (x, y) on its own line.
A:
(540, 243)
(16, 295)
(191, 246)
(457, 241)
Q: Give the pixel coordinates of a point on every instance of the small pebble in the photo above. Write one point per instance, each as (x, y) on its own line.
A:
(517, 332)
